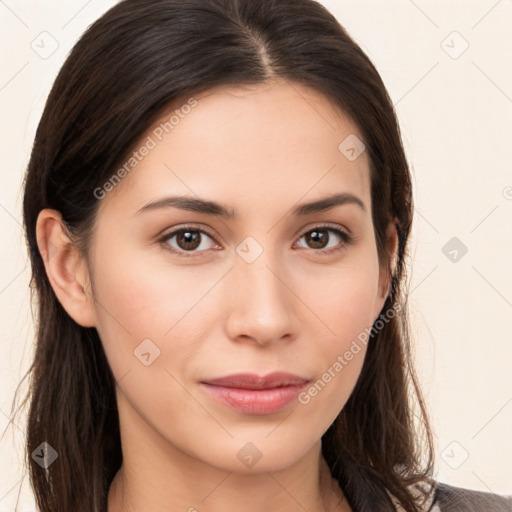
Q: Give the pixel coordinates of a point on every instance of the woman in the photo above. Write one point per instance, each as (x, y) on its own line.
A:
(217, 209)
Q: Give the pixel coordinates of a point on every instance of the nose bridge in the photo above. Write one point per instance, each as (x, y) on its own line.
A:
(257, 269)
(261, 306)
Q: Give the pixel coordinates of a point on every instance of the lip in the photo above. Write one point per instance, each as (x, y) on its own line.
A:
(252, 394)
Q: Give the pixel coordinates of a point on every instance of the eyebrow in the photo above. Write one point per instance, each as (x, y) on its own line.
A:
(206, 207)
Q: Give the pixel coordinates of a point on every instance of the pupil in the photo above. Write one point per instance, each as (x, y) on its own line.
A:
(188, 240)
(319, 238)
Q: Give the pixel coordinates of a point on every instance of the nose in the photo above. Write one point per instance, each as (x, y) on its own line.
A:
(261, 305)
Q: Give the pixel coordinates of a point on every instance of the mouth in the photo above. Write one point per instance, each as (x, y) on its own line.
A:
(252, 394)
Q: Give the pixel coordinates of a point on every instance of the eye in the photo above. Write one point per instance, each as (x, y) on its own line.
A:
(194, 240)
(319, 239)
(187, 239)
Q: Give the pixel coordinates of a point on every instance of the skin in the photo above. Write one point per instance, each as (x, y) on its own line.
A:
(260, 151)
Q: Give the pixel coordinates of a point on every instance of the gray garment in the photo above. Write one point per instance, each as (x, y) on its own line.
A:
(449, 498)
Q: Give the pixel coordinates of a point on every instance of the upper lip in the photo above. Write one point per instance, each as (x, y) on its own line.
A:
(253, 381)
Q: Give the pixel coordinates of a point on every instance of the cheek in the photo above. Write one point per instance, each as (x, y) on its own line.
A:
(344, 307)
(144, 323)
(136, 302)
(343, 299)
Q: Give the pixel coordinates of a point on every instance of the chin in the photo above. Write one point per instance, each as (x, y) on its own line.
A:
(256, 454)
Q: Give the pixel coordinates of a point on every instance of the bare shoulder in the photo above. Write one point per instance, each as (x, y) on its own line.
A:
(449, 498)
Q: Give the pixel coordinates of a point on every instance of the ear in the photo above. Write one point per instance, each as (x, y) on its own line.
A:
(387, 273)
(65, 267)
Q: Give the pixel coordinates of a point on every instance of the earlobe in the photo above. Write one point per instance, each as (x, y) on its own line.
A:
(65, 268)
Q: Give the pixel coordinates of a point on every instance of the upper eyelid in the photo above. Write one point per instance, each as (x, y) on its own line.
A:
(192, 227)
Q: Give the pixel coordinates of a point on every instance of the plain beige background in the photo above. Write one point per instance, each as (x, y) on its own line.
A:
(448, 68)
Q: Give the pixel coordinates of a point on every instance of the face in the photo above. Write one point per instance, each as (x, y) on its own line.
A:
(184, 295)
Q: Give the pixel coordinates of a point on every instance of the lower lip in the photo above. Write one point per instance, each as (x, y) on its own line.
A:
(255, 401)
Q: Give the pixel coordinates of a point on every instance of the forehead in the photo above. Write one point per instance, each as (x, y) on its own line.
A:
(273, 143)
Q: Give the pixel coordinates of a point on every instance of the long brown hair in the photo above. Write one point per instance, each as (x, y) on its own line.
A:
(124, 72)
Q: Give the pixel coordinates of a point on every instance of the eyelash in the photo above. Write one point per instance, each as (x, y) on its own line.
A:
(346, 240)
